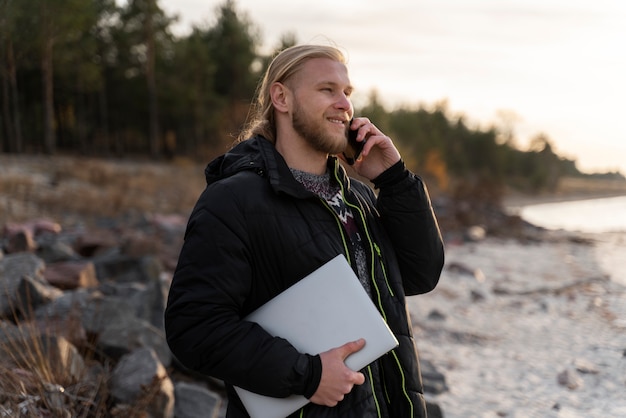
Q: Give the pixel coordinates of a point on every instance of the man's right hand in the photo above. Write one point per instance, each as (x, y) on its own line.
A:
(337, 379)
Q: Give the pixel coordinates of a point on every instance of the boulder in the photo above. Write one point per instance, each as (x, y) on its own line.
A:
(193, 400)
(32, 293)
(21, 241)
(570, 379)
(130, 333)
(434, 381)
(137, 280)
(13, 268)
(71, 274)
(52, 249)
(140, 379)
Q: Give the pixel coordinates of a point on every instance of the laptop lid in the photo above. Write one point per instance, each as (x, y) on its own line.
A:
(324, 310)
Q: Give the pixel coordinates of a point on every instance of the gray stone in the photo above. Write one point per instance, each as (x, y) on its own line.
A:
(140, 378)
(144, 276)
(434, 381)
(32, 293)
(13, 268)
(433, 410)
(52, 251)
(105, 311)
(71, 301)
(570, 379)
(130, 333)
(194, 401)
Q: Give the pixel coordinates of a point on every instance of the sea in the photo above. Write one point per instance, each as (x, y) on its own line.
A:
(604, 219)
(590, 215)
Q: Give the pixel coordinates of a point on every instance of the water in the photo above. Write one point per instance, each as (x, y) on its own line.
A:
(592, 215)
(604, 218)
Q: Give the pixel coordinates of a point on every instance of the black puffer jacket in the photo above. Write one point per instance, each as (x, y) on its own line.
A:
(254, 232)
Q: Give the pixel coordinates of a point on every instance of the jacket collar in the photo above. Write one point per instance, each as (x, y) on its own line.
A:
(260, 155)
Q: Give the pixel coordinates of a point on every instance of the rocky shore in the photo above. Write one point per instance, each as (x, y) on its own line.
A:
(524, 322)
(514, 328)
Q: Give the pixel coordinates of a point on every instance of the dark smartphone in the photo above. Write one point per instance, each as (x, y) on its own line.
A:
(354, 148)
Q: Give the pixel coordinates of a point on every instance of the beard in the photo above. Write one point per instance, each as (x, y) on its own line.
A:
(314, 135)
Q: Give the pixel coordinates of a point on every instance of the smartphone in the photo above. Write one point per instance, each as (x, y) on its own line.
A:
(354, 148)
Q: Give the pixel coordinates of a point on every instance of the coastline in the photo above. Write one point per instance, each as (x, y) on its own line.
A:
(569, 189)
(514, 202)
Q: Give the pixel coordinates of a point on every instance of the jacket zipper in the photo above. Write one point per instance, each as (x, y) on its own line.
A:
(374, 248)
(346, 248)
(348, 257)
(374, 251)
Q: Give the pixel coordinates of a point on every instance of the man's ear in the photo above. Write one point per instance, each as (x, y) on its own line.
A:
(280, 95)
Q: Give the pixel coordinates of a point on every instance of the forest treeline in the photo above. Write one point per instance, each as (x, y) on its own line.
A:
(94, 77)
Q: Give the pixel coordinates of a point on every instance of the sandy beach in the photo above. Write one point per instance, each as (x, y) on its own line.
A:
(528, 330)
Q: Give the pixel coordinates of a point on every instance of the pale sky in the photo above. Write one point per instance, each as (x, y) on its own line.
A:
(558, 66)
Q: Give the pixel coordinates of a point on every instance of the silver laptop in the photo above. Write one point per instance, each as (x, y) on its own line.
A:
(324, 310)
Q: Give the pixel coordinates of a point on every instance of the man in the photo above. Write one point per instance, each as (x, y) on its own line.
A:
(278, 206)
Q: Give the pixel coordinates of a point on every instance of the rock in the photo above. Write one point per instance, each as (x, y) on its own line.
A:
(32, 293)
(477, 296)
(436, 315)
(433, 380)
(585, 367)
(13, 268)
(130, 333)
(20, 237)
(194, 401)
(475, 233)
(104, 311)
(140, 245)
(21, 241)
(137, 280)
(95, 242)
(52, 251)
(71, 274)
(570, 379)
(139, 378)
(95, 311)
(433, 410)
(465, 270)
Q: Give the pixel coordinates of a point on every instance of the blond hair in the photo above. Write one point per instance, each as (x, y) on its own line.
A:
(261, 119)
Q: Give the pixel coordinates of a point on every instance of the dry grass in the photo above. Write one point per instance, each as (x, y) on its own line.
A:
(88, 188)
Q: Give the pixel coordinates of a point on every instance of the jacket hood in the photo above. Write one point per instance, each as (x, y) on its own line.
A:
(245, 155)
